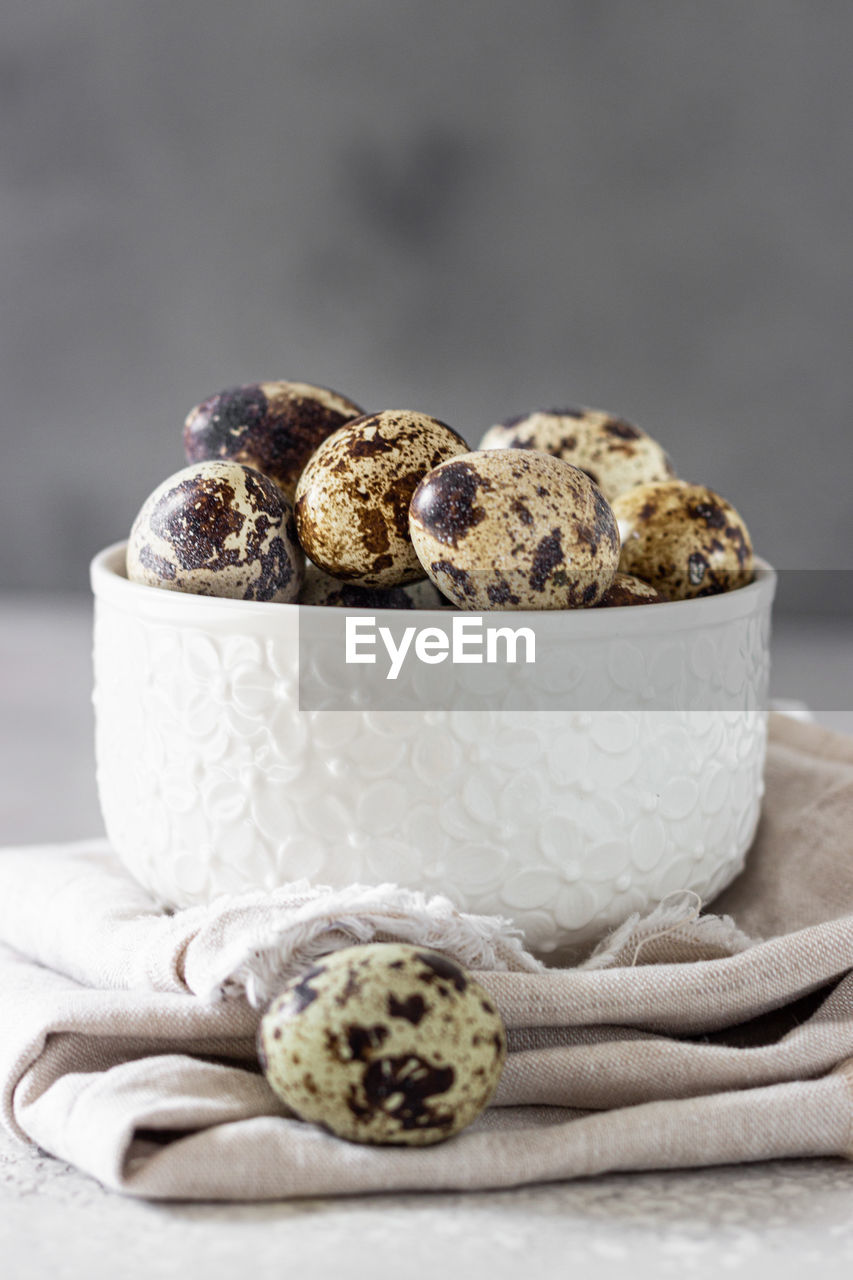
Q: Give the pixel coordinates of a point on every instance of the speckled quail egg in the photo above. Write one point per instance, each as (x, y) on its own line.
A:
(385, 1043)
(625, 589)
(614, 453)
(272, 426)
(512, 529)
(684, 539)
(425, 595)
(352, 501)
(217, 529)
(321, 588)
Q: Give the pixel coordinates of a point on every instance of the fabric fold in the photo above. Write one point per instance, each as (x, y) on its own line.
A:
(75, 909)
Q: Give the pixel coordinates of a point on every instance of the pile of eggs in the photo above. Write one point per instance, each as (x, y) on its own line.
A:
(293, 493)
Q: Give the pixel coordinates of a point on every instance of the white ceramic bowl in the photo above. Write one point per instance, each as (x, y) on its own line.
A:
(212, 780)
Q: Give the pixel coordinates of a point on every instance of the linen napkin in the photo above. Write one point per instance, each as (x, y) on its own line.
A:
(128, 1034)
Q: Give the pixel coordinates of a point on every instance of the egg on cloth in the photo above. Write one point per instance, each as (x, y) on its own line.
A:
(513, 529)
(683, 539)
(625, 589)
(613, 452)
(272, 426)
(384, 1043)
(352, 501)
(217, 529)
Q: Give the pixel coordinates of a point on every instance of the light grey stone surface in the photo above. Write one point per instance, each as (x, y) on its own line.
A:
(469, 209)
(770, 1220)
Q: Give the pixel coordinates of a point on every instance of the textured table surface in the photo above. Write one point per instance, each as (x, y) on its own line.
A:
(773, 1219)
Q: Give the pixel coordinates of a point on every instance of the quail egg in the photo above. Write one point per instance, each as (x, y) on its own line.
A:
(352, 501)
(625, 589)
(217, 529)
(385, 1043)
(321, 588)
(273, 426)
(684, 539)
(614, 453)
(425, 595)
(513, 529)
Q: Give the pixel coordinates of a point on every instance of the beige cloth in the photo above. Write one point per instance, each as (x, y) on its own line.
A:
(128, 1035)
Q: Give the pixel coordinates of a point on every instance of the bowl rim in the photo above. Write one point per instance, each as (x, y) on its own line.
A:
(109, 583)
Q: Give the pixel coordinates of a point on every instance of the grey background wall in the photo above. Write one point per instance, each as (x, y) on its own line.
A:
(466, 207)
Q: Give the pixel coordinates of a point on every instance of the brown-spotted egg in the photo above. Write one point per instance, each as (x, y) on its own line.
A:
(385, 1043)
(684, 539)
(613, 452)
(625, 589)
(321, 588)
(217, 529)
(272, 426)
(352, 501)
(513, 529)
(425, 595)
